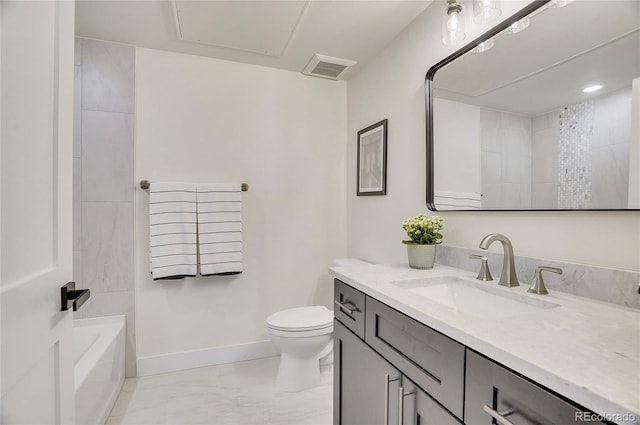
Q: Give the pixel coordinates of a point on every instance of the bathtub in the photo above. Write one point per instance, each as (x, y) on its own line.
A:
(99, 367)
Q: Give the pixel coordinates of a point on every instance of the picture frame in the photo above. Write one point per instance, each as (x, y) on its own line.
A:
(372, 160)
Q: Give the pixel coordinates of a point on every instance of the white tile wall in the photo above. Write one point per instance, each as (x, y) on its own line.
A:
(107, 160)
(505, 141)
(107, 76)
(107, 246)
(103, 182)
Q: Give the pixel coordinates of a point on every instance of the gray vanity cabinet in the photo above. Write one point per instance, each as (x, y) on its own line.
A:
(367, 388)
(378, 350)
(359, 396)
(493, 390)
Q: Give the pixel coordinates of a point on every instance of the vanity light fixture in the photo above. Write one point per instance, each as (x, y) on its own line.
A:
(486, 11)
(518, 26)
(453, 23)
(592, 88)
(484, 46)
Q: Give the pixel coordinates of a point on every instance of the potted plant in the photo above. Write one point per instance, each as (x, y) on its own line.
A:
(424, 234)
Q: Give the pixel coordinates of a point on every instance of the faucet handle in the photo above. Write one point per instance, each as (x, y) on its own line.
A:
(537, 284)
(485, 273)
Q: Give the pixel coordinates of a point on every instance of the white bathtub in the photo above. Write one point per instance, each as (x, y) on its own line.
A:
(99, 367)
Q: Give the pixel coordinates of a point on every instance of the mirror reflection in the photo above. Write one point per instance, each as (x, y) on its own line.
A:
(544, 115)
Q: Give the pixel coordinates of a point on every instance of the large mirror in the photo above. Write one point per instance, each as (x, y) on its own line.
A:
(545, 119)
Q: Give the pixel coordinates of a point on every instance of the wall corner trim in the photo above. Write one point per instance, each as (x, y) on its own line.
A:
(172, 362)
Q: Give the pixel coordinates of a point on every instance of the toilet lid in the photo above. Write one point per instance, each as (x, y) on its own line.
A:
(301, 318)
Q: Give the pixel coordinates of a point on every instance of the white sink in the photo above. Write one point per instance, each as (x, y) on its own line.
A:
(481, 300)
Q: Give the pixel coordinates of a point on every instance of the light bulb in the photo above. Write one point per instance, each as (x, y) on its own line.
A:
(452, 23)
(486, 11)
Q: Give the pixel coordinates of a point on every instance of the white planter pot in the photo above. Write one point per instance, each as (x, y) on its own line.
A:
(421, 256)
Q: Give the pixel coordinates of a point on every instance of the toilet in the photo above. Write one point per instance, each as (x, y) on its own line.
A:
(304, 337)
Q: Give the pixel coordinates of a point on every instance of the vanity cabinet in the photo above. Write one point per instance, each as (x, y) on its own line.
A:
(367, 388)
(366, 384)
(386, 363)
(493, 392)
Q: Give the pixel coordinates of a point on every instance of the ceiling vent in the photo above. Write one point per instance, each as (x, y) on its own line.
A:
(327, 67)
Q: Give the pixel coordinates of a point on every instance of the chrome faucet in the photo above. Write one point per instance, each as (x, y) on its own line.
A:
(508, 276)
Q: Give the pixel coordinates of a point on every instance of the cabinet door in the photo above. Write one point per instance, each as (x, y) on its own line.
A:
(492, 389)
(418, 408)
(360, 395)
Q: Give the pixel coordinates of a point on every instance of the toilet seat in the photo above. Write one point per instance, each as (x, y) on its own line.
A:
(302, 321)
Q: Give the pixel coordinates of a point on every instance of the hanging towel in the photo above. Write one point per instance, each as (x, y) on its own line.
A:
(457, 200)
(173, 230)
(220, 229)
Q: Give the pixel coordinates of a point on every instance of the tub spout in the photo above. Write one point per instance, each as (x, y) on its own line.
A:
(508, 276)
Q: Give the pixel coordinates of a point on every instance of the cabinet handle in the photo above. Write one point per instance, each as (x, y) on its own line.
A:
(347, 307)
(387, 379)
(500, 417)
(401, 396)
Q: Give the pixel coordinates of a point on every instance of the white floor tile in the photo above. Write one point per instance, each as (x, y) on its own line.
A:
(242, 393)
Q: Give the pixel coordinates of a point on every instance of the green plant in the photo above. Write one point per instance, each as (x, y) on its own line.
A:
(423, 229)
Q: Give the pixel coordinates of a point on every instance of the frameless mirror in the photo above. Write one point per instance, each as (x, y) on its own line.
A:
(548, 118)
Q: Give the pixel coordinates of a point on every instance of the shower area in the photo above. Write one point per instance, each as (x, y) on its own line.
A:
(574, 157)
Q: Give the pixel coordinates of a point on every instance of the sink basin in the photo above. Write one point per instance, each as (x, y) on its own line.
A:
(474, 299)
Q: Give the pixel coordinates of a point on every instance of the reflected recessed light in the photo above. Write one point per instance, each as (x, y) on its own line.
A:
(559, 3)
(516, 27)
(592, 88)
(484, 46)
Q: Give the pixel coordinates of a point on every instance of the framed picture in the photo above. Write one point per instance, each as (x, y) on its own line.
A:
(372, 160)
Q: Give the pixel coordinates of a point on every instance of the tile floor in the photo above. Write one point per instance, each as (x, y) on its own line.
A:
(242, 393)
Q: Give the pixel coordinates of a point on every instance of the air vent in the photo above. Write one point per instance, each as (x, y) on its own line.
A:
(327, 67)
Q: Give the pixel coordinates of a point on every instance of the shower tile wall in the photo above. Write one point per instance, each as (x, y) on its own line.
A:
(544, 169)
(610, 144)
(103, 182)
(505, 142)
(609, 159)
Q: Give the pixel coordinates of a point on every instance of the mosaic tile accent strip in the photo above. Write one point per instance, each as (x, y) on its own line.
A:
(575, 156)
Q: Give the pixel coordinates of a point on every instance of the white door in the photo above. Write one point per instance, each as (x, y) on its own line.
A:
(36, 126)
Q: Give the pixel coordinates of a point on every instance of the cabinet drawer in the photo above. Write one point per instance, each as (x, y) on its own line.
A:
(431, 360)
(349, 307)
(520, 401)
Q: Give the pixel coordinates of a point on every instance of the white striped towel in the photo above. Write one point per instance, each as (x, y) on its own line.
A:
(220, 229)
(173, 230)
(457, 200)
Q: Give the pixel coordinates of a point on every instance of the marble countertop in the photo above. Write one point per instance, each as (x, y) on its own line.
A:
(585, 350)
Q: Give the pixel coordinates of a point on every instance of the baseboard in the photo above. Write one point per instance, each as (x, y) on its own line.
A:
(171, 362)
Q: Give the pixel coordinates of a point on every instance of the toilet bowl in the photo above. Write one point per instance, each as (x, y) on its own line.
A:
(304, 337)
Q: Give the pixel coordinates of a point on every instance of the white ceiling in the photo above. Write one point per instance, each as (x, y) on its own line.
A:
(279, 34)
(545, 66)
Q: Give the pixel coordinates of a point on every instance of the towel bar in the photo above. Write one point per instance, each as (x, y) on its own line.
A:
(146, 184)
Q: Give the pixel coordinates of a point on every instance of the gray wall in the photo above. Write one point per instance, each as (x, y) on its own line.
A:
(103, 213)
